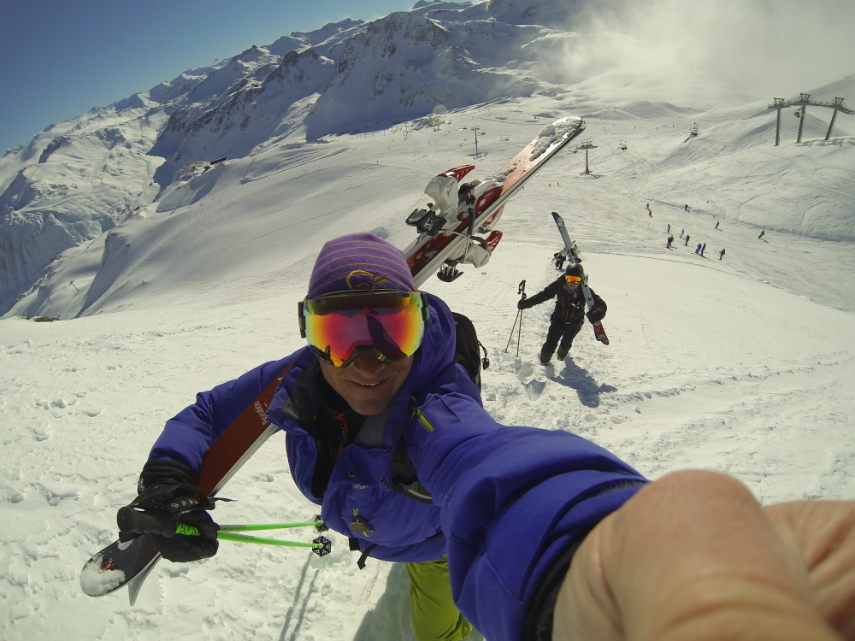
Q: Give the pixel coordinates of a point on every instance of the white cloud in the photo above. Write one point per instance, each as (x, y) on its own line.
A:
(700, 48)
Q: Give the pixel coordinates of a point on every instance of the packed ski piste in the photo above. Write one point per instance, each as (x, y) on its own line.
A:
(457, 227)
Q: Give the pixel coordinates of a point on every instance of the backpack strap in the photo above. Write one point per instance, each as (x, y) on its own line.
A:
(468, 348)
(404, 478)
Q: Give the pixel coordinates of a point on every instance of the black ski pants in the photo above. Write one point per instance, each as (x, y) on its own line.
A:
(563, 332)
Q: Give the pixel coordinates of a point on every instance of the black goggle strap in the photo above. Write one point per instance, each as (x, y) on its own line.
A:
(300, 318)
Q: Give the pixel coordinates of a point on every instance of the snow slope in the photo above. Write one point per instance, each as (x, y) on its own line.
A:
(742, 365)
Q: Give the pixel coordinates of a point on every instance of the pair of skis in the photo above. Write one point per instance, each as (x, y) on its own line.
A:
(460, 230)
(129, 562)
(570, 249)
(459, 225)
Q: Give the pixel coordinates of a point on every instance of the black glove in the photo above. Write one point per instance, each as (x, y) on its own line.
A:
(168, 497)
(595, 314)
(523, 304)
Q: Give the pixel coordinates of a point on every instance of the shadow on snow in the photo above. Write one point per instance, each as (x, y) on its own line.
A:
(587, 389)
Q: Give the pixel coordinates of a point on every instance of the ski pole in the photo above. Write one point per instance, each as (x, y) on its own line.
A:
(245, 538)
(521, 292)
(141, 522)
(251, 527)
(320, 546)
(519, 311)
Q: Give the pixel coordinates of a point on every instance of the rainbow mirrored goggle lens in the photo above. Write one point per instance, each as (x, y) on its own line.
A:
(572, 280)
(341, 327)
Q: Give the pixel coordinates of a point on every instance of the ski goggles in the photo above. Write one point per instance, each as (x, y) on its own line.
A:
(572, 281)
(341, 327)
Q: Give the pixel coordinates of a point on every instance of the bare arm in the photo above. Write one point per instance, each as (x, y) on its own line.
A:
(694, 556)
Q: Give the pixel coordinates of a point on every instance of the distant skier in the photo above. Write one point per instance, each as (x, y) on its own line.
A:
(762, 233)
(687, 240)
(698, 249)
(703, 249)
(569, 313)
(685, 208)
(558, 258)
(716, 224)
(670, 240)
(669, 228)
(721, 254)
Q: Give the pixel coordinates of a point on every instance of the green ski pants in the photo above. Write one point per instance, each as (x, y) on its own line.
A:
(435, 617)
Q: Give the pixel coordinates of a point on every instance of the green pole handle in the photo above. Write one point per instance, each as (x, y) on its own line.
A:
(226, 533)
(250, 527)
(243, 538)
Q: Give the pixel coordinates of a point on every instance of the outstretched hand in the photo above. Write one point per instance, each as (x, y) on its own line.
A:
(694, 556)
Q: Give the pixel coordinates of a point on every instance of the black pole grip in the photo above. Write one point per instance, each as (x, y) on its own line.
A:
(134, 521)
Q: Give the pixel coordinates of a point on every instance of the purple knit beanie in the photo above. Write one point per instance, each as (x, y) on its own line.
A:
(359, 262)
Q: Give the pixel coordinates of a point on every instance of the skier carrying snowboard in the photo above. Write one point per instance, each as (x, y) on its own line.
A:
(569, 313)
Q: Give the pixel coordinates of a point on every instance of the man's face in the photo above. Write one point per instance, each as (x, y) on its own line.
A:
(367, 384)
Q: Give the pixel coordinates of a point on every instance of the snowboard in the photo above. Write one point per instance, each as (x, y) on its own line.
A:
(572, 254)
(458, 226)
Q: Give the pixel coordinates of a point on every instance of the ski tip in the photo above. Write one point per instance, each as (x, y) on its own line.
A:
(100, 575)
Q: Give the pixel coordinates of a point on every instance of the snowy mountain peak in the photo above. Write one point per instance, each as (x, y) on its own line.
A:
(152, 153)
(543, 12)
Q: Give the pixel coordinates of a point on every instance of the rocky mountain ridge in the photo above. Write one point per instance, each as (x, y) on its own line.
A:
(77, 179)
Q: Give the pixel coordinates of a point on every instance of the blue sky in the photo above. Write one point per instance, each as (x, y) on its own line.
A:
(60, 58)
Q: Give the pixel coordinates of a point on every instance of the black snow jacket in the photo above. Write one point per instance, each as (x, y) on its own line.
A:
(569, 307)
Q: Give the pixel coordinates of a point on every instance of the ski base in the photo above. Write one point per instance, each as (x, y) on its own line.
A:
(117, 565)
(460, 212)
(600, 333)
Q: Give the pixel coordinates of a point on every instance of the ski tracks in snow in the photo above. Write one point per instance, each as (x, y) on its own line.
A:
(790, 423)
(706, 368)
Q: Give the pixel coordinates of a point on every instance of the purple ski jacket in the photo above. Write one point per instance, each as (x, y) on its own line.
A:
(509, 504)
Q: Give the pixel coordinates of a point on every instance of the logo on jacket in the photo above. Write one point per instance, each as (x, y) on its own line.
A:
(361, 279)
